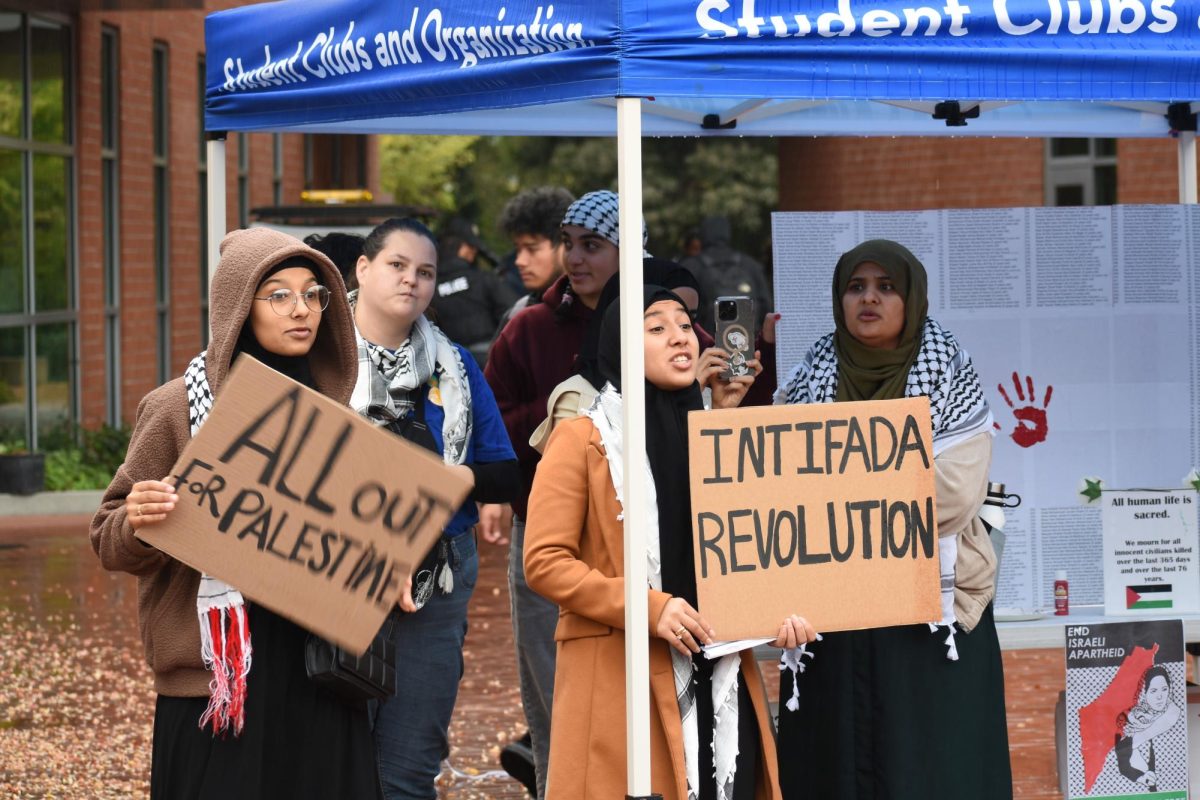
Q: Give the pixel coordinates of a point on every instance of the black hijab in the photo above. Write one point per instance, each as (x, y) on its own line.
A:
(295, 367)
(655, 272)
(667, 448)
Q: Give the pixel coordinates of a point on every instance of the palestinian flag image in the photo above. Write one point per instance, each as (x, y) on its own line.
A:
(1156, 595)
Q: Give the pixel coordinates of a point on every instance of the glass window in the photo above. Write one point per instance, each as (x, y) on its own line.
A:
(243, 180)
(12, 74)
(12, 232)
(203, 183)
(1081, 172)
(162, 189)
(159, 90)
(110, 193)
(50, 94)
(12, 386)
(277, 172)
(1068, 147)
(37, 250)
(109, 96)
(55, 398)
(112, 252)
(1068, 195)
(51, 210)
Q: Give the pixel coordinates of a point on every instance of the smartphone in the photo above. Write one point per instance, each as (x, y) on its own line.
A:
(734, 317)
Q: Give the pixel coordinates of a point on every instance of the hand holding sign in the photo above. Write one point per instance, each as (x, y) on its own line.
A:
(683, 627)
(794, 632)
(149, 502)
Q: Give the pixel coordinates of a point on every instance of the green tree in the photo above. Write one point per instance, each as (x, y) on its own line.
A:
(683, 181)
(423, 170)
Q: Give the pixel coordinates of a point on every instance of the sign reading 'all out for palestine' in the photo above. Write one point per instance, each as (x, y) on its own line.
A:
(304, 506)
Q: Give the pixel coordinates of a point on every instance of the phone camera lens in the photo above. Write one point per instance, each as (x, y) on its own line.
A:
(727, 310)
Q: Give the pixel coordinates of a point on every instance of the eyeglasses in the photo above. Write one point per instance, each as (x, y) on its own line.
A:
(283, 301)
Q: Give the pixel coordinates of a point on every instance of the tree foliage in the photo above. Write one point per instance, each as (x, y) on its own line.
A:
(684, 180)
(424, 170)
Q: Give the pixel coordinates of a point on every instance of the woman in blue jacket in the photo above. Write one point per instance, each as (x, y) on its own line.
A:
(415, 381)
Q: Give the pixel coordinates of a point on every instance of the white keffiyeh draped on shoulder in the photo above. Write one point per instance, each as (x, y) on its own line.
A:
(605, 414)
(388, 380)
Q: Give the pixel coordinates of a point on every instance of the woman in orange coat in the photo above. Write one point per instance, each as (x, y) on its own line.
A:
(710, 731)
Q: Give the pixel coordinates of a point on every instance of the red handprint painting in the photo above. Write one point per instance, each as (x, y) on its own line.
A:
(1031, 427)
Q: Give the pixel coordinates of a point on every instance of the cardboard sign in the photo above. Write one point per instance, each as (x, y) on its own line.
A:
(1127, 728)
(1150, 552)
(304, 506)
(824, 510)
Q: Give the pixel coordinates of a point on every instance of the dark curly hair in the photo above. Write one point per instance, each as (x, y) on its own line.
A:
(536, 212)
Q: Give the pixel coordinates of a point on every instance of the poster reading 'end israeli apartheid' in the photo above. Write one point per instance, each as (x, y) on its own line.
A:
(304, 506)
(1126, 711)
(826, 510)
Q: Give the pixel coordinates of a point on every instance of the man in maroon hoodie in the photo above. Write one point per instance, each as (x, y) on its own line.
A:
(533, 354)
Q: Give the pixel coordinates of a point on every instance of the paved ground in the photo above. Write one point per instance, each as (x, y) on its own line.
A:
(76, 702)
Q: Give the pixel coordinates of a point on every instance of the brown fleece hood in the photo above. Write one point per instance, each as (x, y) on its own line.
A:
(246, 256)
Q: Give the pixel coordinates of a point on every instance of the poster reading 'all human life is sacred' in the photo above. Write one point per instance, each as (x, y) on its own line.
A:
(1126, 698)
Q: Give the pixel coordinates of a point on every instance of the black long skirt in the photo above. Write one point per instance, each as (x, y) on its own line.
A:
(299, 740)
(884, 715)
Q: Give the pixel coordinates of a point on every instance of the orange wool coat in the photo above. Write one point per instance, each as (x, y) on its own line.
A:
(574, 556)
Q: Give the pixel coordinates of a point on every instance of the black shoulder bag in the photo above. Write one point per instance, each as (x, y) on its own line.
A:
(371, 676)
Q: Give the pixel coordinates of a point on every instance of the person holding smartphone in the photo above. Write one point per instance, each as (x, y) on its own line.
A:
(710, 725)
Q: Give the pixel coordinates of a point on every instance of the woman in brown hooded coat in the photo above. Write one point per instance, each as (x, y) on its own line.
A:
(282, 736)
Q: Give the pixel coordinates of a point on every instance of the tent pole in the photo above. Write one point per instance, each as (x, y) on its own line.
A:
(216, 201)
(1187, 167)
(633, 425)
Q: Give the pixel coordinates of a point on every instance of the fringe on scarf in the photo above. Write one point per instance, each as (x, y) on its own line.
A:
(225, 648)
(793, 660)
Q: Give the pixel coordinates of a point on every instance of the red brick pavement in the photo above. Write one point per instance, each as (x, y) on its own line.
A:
(86, 730)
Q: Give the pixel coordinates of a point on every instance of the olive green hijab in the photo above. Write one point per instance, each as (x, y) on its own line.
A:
(873, 373)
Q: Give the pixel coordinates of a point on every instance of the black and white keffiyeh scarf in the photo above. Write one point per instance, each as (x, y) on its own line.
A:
(599, 212)
(943, 372)
(605, 414)
(224, 627)
(389, 379)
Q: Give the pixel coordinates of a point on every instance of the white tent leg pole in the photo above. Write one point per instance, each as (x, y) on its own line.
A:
(633, 422)
(1187, 167)
(216, 204)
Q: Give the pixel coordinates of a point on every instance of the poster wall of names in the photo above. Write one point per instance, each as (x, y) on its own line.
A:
(1084, 326)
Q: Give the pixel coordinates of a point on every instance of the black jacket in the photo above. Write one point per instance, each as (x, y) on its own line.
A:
(469, 304)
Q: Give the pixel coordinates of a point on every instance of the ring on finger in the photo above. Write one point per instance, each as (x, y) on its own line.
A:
(140, 512)
(682, 630)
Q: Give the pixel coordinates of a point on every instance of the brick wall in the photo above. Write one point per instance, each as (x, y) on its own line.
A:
(183, 33)
(844, 173)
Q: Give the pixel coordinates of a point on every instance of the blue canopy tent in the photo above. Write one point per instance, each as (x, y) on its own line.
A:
(1108, 68)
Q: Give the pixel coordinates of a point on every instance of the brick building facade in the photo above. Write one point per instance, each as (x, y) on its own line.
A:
(909, 173)
(102, 255)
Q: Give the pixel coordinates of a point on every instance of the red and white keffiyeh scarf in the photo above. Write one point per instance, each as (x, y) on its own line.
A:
(224, 627)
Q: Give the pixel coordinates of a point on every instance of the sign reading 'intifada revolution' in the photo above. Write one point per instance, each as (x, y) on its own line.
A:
(824, 510)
